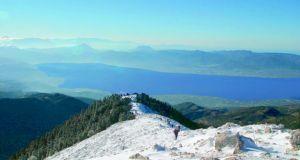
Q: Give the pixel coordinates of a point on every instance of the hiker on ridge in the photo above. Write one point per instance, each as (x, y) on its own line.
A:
(176, 131)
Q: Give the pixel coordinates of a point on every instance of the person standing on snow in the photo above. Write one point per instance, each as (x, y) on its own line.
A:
(176, 131)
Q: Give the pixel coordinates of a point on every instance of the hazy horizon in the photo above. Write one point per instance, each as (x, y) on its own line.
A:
(129, 45)
(264, 26)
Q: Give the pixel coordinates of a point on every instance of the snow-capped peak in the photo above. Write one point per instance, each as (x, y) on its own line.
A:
(151, 136)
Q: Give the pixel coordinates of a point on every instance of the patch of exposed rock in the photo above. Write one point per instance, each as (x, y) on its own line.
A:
(295, 139)
(232, 158)
(209, 158)
(268, 130)
(228, 139)
(138, 156)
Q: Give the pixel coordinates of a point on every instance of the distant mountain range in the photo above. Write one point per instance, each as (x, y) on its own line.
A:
(25, 119)
(229, 63)
(239, 72)
(64, 42)
(238, 75)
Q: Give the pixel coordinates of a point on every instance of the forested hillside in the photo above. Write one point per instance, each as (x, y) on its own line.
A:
(167, 110)
(24, 119)
(94, 119)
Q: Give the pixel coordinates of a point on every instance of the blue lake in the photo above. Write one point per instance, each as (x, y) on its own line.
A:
(119, 79)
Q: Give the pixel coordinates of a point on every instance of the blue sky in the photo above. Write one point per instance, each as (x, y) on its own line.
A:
(264, 25)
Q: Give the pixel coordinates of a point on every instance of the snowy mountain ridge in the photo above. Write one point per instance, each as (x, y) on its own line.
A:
(150, 136)
(137, 108)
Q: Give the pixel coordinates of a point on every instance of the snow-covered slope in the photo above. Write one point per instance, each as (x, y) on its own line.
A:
(151, 136)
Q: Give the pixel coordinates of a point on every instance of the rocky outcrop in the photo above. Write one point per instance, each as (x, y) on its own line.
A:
(268, 130)
(138, 156)
(295, 139)
(209, 158)
(228, 139)
(232, 158)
